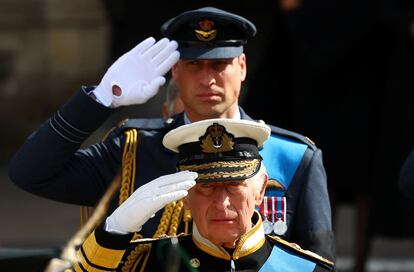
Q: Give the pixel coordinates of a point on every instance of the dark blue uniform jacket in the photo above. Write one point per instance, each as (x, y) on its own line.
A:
(51, 164)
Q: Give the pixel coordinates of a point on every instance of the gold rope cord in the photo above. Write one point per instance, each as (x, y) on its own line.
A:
(87, 211)
(128, 165)
(170, 219)
(175, 218)
(144, 249)
(187, 219)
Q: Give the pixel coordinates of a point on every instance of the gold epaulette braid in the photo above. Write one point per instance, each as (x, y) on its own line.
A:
(172, 215)
(128, 165)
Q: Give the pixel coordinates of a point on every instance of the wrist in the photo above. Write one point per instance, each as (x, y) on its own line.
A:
(116, 228)
(112, 240)
(99, 95)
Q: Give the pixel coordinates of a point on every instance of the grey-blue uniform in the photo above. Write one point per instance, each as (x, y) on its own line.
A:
(50, 163)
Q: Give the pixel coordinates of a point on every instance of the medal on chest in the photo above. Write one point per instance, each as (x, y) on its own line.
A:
(273, 211)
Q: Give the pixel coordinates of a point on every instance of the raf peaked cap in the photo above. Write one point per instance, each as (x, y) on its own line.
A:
(219, 149)
(209, 33)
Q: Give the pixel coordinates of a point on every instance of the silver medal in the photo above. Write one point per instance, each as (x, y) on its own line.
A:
(279, 227)
(267, 226)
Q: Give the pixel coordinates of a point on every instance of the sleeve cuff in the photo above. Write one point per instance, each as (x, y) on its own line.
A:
(79, 117)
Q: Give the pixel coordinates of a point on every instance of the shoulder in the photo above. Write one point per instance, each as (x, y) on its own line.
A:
(281, 133)
(291, 136)
(147, 124)
(293, 249)
(152, 125)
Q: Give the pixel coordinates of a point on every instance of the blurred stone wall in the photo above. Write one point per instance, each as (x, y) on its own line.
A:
(48, 48)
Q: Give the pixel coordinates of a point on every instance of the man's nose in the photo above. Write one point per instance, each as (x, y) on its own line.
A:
(221, 198)
(207, 75)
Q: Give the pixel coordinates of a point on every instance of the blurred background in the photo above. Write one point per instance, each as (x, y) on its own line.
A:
(339, 72)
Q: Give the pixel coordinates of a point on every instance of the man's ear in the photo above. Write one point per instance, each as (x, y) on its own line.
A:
(243, 66)
(262, 191)
(174, 71)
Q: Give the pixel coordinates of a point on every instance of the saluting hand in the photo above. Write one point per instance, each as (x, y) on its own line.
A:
(148, 199)
(137, 75)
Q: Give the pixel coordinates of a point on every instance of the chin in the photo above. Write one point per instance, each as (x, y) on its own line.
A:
(226, 237)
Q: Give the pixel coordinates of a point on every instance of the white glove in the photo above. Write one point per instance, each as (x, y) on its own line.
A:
(148, 199)
(138, 73)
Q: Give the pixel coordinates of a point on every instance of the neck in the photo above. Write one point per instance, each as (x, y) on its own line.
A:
(248, 242)
(191, 117)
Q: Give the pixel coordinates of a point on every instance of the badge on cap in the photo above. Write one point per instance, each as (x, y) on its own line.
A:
(216, 139)
(206, 32)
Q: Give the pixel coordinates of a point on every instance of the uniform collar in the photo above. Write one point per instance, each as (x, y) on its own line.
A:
(246, 245)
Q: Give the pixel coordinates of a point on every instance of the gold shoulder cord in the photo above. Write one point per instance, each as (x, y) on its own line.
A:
(128, 174)
(170, 219)
(87, 211)
(128, 165)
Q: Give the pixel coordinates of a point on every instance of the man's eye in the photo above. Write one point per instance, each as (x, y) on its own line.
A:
(193, 62)
(205, 188)
(234, 186)
(220, 65)
(206, 185)
(234, 183)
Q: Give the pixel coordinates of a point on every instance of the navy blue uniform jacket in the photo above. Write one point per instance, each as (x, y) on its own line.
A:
(51, 164)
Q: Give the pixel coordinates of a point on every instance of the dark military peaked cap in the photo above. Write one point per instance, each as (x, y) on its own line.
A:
(219, 149)
(209, 33)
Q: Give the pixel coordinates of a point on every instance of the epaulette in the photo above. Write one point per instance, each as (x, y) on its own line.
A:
(141, 123)
(160, 238)
(146, 124)
(292, 135)
(327, 264)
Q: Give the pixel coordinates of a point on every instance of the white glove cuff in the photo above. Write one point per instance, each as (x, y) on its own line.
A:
(110, 229)
(102, 97)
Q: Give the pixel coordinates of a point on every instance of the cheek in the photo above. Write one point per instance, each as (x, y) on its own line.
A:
(178, 105)
(233, 82)
(197, 206)
(248, 205)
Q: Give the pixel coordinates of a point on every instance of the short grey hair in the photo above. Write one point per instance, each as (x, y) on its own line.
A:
(259, 178)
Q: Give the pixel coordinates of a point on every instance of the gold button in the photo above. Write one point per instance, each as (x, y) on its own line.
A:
(194, 262)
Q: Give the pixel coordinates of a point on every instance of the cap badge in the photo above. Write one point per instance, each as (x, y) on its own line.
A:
(206, 32)
(216, 139)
